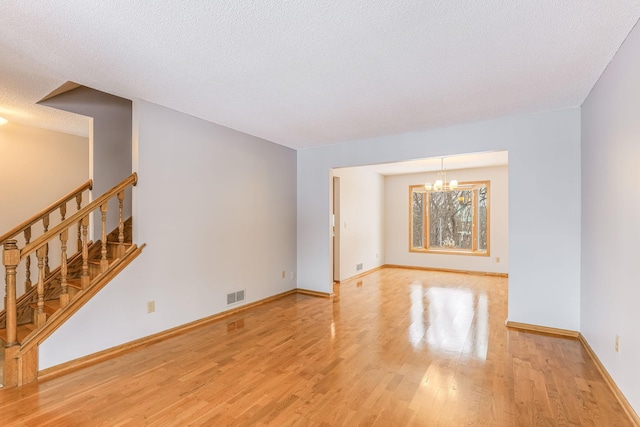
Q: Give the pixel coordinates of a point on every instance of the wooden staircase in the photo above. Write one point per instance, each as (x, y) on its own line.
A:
(27, 307)
(30, 318)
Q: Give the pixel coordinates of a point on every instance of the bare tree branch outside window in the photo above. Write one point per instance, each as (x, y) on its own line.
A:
(450, 218)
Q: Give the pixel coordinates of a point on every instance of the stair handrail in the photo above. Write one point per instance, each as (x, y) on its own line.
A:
(131, 180)
(46, 211)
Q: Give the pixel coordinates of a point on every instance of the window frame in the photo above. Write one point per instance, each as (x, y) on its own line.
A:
(472, 185)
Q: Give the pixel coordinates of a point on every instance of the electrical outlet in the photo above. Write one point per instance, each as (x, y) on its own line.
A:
(151, 306)
(283, 274)
(497, 259)
(293, 275)
(617, 344)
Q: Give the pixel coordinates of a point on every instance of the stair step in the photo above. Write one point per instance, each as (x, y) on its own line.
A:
(22, 331)
(50, 306)
(115, 250)
(109, 242)
(97, 261)
(75, 283)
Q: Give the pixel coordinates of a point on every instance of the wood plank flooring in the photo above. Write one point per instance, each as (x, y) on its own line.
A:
(394, 348)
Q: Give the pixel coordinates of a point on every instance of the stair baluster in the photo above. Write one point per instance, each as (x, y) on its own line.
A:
(27, 280)
(120, 251)
(104, 264)
(79, 203)
(64, 295)
(85, 278)
(11, 259)
(45, 224)
(64, 292)
(40, 317)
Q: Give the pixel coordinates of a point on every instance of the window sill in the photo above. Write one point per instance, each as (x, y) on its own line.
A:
(451, 252)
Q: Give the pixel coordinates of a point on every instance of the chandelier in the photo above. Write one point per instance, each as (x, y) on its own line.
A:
(441, 183)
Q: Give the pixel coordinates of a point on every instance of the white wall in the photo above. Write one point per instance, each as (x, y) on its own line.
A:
(37, 167)
(397, 222)
(610, 294)
(217, 209)
(361, 220)
(544, 240)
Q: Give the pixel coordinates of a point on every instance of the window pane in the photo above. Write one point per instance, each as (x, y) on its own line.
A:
(450, 219)
(482, 219)
(442, 221)
(417, 219)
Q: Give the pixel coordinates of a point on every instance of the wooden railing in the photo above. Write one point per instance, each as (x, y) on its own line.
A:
(13, 255)
(25, 229)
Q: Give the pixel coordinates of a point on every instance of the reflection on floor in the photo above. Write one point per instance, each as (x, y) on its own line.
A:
(452, 315)
(395, 348)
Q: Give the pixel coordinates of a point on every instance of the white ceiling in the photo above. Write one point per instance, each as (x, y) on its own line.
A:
(309, 73)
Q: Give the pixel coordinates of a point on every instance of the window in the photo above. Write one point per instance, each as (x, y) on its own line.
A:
(453, 221)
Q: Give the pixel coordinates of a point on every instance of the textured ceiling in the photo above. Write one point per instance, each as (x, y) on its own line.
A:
(307, 73)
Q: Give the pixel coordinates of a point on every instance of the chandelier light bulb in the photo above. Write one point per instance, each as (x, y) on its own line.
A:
(441, 183)
(3, 121)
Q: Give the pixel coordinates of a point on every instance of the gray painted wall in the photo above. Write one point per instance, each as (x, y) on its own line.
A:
(110, 154)
(610, 211)
(544, 217)
(217, 209)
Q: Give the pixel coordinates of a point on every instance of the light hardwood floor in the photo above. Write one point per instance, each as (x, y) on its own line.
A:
(394, 348)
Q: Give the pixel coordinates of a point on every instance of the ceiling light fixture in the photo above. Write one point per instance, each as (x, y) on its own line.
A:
(3, 121)
(441, 183)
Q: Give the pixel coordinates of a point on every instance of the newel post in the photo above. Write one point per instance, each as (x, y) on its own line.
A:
(11, 259)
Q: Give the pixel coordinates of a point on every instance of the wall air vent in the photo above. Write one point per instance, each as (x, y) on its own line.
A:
(235, 297)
